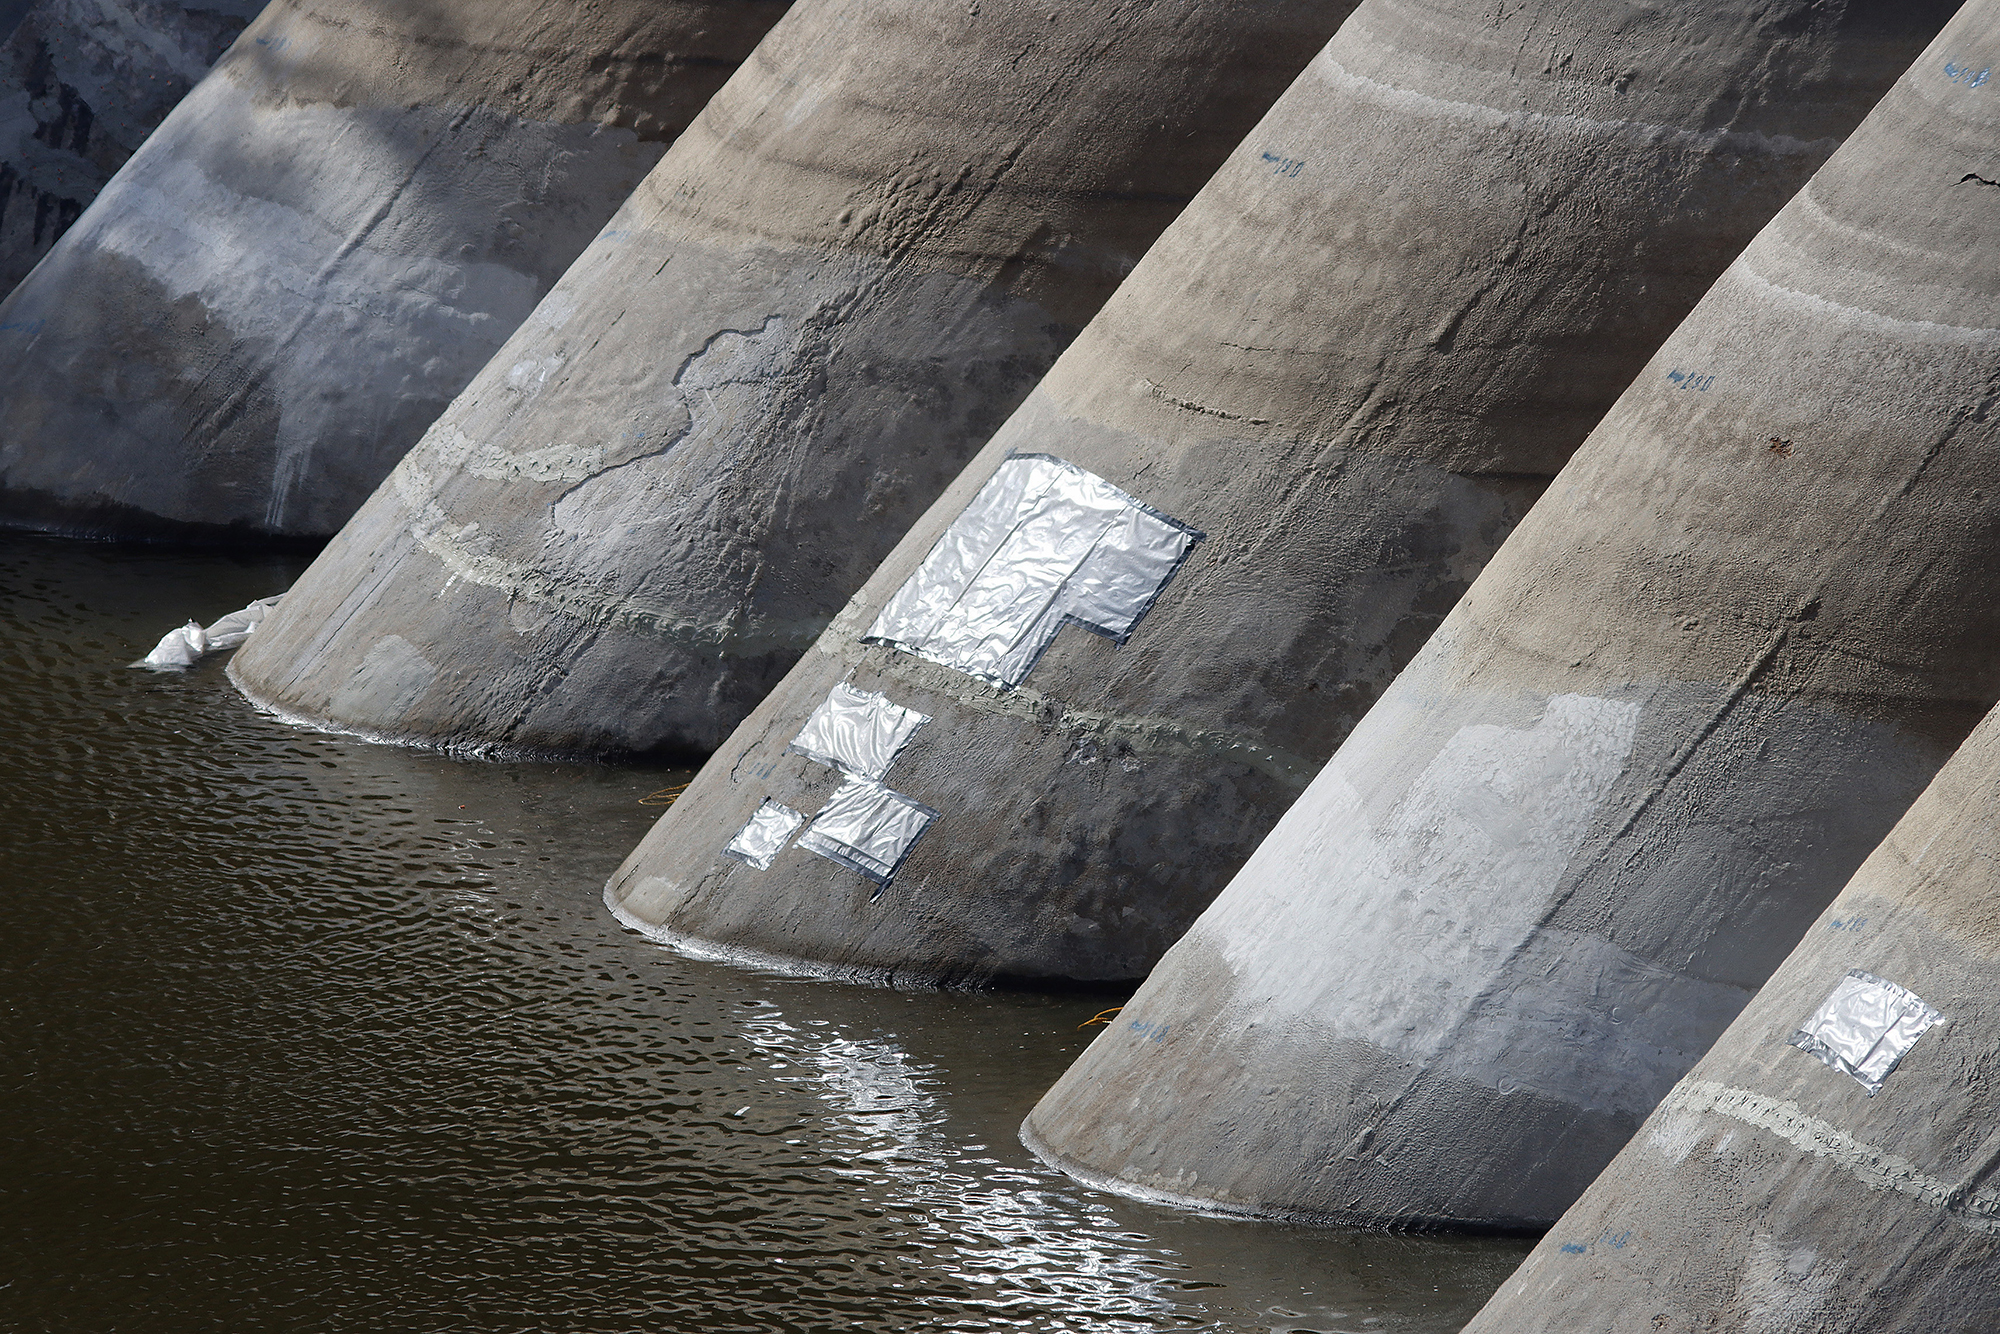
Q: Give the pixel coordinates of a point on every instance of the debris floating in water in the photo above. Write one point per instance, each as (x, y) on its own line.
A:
(182, 648)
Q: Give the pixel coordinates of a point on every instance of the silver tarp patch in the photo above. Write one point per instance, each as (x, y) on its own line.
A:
(857, 731)
(757, 842)
(1865, 1027)
(866, 827)
(1043, 544)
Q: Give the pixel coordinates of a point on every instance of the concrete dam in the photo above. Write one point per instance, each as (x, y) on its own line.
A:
(1345, 388)
(1376, 616)
(84, 84)
(227, 348)
(829, 293)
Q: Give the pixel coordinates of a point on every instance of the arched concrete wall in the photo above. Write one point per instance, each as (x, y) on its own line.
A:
(82, 83)
(322, 244)
(1771, 1189)
(1743, 629)
(1352, 363)
(832, 291)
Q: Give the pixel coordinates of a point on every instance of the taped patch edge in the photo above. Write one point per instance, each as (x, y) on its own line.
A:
(1914, 1018)
(764, 835)
(837, 849)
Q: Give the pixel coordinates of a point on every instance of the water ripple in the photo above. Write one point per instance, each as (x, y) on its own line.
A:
(307, 1035)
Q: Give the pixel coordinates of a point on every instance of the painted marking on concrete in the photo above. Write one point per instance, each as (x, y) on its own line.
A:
(1281, 165)
(1966, 74)
(1847, 924)
(23, 326)
(1148, 1028)
(1571, 1248)
(1687, 380)
(1876, 1168)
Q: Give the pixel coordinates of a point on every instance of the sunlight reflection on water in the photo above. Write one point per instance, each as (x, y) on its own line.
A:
(304, 1034)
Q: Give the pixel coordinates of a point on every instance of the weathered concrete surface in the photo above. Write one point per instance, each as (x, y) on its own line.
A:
(831, 292)
(82, 83)
(1353, 362)
(1771, 1192)
(1745, 626)
(322, 244)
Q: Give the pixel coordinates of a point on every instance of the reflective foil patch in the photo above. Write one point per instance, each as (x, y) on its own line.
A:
(858, 732)
(868, 828)
(1043, 544)
(757, 842)
(1864, 1028)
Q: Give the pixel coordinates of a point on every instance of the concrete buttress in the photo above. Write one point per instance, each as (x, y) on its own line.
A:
(1351, 364)
(322, 243)
(831, 292)
(1742, 630)
(82, 83)
(1829, 1164)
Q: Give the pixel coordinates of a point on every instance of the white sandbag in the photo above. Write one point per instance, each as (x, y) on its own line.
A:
(179, 649)
(182, 648)
(233, 629)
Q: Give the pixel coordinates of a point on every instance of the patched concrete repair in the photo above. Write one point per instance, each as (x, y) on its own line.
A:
(828, 296)
(1771, 1189)
(321, 245)
(1743, 629)
(1350, 366)
(82, 83)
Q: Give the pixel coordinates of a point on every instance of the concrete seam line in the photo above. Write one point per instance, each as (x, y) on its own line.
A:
(628, 615)
(1877, 1169)
(1631, 131)
(1158, 735)
(1963, 335)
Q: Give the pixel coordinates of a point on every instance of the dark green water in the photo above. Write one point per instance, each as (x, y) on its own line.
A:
(304, 1034)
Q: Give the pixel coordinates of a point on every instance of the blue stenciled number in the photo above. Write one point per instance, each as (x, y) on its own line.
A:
(1965, 74)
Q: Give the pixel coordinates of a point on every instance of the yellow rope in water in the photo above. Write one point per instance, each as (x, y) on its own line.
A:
(666, 796)
(1101, 1017)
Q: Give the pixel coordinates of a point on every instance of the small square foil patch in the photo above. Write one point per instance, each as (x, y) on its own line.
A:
(857, 731)
(868, 828)
(757, 842)
(1865, 1027)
